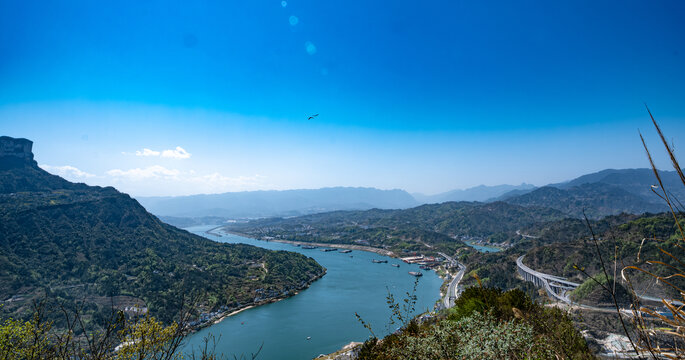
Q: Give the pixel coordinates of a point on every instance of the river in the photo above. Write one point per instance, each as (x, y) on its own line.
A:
(483, 248)
(325, 311)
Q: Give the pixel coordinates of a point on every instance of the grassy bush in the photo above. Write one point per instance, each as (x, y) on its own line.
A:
(485, 323)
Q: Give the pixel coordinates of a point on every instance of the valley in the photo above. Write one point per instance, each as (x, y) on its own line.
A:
(97, 248)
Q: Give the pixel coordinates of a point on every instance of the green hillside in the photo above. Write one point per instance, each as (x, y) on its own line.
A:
(596, 199)
(424, 228)
(80, 243)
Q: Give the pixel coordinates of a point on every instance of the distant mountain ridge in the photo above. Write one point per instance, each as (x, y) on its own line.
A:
(597, 200)
(480, 193)
(636, 181)
(255, 204)
(607, 192)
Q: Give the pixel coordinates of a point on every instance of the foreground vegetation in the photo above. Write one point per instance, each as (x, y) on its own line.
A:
(485, 323)
(121, 338)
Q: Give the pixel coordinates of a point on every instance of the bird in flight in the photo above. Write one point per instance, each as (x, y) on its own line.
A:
(313, 116)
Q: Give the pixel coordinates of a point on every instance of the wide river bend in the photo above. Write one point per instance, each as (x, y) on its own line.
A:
(325, 311)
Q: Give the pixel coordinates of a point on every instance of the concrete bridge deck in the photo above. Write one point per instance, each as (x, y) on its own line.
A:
(555, 286)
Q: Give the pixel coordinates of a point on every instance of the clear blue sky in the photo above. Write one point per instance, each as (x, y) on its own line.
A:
(425, 96)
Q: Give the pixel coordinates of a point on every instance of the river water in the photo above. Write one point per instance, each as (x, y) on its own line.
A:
(483, 248)
(325, 311)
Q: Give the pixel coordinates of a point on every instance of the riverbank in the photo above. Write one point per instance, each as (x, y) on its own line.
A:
(325, 245)
(236, 310)
(248, 306)
(348, 352)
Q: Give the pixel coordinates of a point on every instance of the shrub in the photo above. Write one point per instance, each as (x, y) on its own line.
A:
(486, 323)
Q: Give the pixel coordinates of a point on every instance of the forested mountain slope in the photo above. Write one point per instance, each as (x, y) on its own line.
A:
(83, 243)
(595, 199)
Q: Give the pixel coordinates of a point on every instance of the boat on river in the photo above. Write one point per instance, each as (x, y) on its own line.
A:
(379, 261)
(395, 265)
(346, 251)
(329, 249)
(309, 247)
(415, 273)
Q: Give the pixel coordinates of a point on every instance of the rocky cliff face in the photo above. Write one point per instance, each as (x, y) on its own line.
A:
(15, 153)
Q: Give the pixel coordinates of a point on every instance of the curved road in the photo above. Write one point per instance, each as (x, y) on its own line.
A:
(543, 280)
(518, 232)
(453, 287)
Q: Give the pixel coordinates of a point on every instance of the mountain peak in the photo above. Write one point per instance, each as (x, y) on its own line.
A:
(16, 152)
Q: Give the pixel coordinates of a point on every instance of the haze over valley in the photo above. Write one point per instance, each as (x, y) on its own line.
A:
(608, 192)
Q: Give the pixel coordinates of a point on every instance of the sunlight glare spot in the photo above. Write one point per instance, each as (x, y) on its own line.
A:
(311, 48)
(293, 20)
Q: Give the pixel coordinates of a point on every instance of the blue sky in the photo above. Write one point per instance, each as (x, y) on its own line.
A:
(424, 96)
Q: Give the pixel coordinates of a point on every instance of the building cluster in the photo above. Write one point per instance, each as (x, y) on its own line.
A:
(426, 262)
(261, 295)
(135, 310)
(207, 317)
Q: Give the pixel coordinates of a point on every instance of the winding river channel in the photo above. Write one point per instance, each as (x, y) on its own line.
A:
(325, 312)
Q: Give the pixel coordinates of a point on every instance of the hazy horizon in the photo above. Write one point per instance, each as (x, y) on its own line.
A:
(72, 175)
(172, 98)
